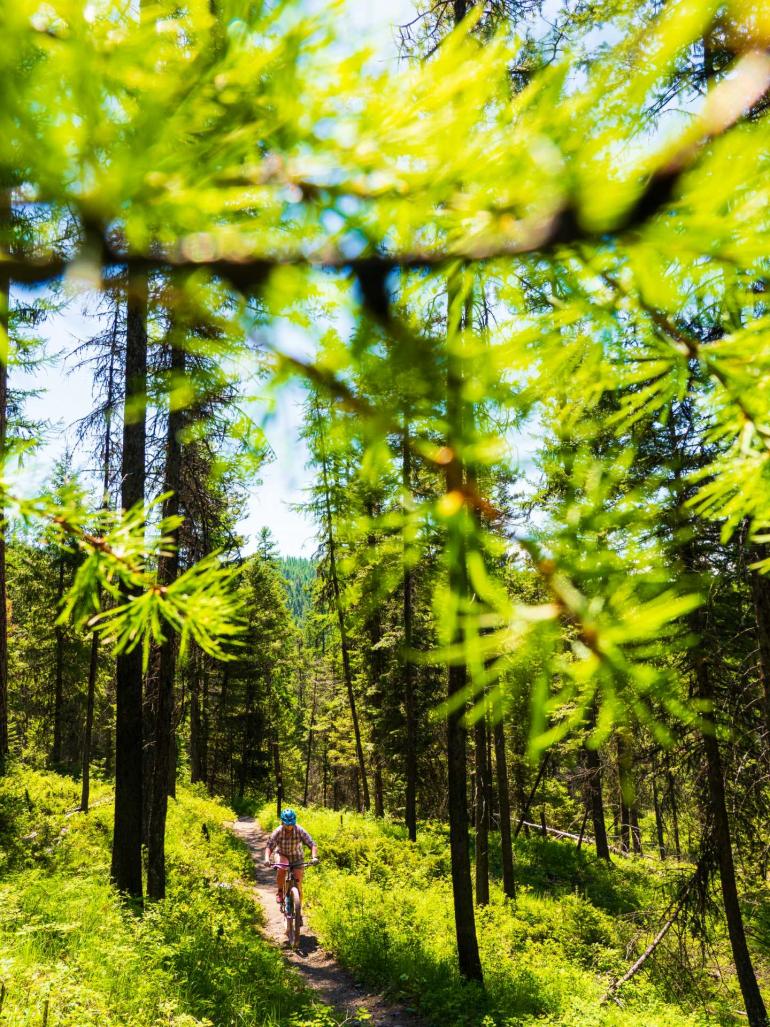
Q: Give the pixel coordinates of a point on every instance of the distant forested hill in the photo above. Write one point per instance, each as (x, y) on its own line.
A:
(299, 574)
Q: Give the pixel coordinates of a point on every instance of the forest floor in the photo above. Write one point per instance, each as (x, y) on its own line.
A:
(319, 970)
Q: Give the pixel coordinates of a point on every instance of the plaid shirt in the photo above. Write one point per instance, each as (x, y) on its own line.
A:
(289, 843)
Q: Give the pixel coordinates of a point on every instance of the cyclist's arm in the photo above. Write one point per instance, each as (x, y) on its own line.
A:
(307, 840)
(270, 845)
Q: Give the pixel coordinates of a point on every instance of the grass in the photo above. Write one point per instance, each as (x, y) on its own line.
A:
(384, 907)
(73, 955)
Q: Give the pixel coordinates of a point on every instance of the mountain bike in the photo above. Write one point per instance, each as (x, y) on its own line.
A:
(291, 906)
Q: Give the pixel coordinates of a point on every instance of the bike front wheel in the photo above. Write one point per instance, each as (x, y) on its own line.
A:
(294, 922)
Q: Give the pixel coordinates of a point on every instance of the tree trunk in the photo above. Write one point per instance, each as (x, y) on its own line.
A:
(168, 569)
(533, 791)
(379, 788)
(658, 817)
(197, 762)
(674, 812)
(127, 836)
(346, 670)
(410, 704)
(760, 591)
(593, 767)
(58, 702)
(481, 813)
(275, 746)
(752, 998)
(504, 803)
(220, 724)
(310, 739)
(5, 300)
(465, 920)
(636, 831)
(93, 667)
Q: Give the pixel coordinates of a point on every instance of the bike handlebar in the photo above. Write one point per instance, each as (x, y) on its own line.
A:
(291, 866)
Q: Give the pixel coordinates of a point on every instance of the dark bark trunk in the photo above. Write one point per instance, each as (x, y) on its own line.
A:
(248, 740)
(625, 789)
(582, 829)
(636, 831)
(410, 704)
(309, 755)
(93, 667)
(482, 813)
(58, 702)
(760, 590)
(220, 723)
(658, 817)
(504, 804)
(5, 299)
(594, 789)
(325, 774)
(379, 789)
(530, 798)
(465, 920)
(752, 998)
(168, 568)
(346, 670)
(674, 813)
(275, 745)
(197, 761)
(127, 837)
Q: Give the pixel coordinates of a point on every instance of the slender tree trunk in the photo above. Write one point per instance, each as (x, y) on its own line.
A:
(593, 767)
(658, 817)
(752, 997)
(465, 920)
(168, 568)
(504, 803)
(582, 829)
(310, 739)
(5, 301)
(760, 590)
(325, 774)
(248, 739)
(58, 703)
(346, 670)
(220, 726)
(275, 746)
(624, 788)
(636, 831)
(127, 836)
(379, 788)
(482, 813)
(410, 700)
(93, 666)
(674, 812)
(533, 791)
(197, 766)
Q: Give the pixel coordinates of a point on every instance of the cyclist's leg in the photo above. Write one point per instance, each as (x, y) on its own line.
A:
(281, 878)
(299, 873)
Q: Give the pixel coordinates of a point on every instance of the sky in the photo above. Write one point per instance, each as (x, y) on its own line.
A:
(64, 393)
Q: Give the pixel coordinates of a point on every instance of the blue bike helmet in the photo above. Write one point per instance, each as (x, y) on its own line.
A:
(288, 817)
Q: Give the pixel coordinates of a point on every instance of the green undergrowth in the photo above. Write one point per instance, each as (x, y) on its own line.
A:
(73, 955)
(384, 907)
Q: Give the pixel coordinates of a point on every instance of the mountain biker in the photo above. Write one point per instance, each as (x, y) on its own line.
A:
(288, 840)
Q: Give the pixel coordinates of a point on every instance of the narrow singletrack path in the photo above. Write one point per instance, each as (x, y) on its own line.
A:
(319, 970)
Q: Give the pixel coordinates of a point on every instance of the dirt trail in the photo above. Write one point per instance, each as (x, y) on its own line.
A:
(319, 970)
